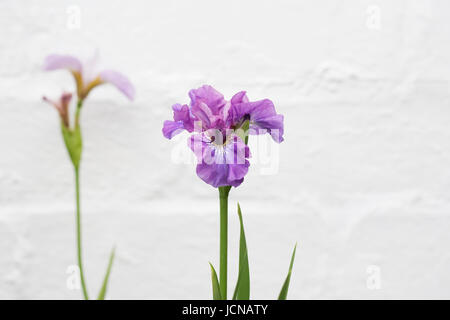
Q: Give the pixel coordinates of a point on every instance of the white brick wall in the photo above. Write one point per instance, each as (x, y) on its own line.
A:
(363, 177)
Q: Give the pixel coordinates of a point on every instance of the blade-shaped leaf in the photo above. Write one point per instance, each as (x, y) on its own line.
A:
(242, 291)
(285, 288)
(215, 284)
(102, 293)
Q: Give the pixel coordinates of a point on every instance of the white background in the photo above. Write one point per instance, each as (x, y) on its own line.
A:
(363, 176)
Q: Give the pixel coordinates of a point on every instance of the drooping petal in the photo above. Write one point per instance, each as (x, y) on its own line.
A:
(237, 153)
(236, 171)
(214, 174)
(208, 95)
(200, 144)
(263, 118)
(183, 114)
(273, 125)
(120, 81)
(172, 128)
(220, 165)
(58, 61)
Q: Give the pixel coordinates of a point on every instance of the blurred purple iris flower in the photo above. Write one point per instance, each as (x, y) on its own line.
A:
(86, 77)
(218, 145)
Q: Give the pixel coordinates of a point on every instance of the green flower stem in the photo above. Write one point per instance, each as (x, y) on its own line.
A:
(80, 262)
(74, 146)
(223, 194)
(77, 112)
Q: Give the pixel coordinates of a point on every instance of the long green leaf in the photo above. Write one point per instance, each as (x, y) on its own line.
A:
(215, 284)
(285, 288)
(101, 295)
(242, 291)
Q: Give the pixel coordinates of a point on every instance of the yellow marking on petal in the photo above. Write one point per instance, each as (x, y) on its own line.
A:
(91, 85)
(78, 81)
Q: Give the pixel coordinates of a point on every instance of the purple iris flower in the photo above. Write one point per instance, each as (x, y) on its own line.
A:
(87, 77)
(219, 147)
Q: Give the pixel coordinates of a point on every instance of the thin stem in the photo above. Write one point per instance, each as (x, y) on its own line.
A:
(80, 263)
(223, 195)
(77, 112)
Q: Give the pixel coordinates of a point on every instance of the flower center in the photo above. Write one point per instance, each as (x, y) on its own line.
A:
(219, 138)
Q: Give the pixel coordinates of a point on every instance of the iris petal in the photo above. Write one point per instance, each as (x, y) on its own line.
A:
(120, 81)
(263, 118)
(220, 165)
(208, 95)
(58, 61)
(172, 128)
